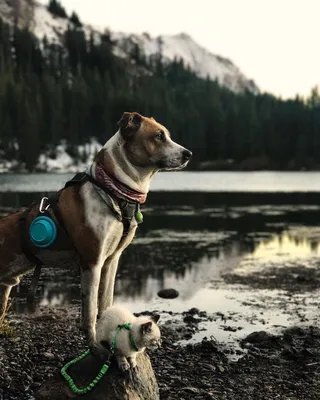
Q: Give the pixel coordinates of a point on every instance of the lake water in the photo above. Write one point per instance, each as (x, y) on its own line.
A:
(184, 181)
(192, 247)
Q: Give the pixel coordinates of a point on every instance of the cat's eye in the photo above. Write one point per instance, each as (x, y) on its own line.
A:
(160, 136)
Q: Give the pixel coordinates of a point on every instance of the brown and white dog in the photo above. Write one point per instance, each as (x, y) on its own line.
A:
(139, 149)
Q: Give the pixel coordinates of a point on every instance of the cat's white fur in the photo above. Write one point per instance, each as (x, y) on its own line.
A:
(144, 330)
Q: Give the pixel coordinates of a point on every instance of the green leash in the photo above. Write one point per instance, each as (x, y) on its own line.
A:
(104, 368)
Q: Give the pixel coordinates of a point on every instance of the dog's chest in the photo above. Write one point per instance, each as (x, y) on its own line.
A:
(112, 239)
(105, 226)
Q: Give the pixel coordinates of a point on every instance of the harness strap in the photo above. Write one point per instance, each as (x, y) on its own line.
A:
(34, 283)
(127, 208)
(53, 201)
(26, 248)
(126, 326)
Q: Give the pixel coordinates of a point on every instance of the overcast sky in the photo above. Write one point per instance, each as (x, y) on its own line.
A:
(275, 42)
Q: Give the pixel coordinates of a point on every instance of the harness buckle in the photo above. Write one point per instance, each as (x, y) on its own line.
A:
(42, 207)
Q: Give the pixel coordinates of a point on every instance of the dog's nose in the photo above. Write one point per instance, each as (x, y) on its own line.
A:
(186, 154)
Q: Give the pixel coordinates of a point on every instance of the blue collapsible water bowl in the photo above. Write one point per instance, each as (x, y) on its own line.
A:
(43, 231)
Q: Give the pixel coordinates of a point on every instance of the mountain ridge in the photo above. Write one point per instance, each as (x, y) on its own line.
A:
(179, 46)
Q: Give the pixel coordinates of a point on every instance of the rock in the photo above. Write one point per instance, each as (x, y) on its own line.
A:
(189, 319)
(168, 293)
(15, 339)
(220, 368)
(228, 328)
(203, 314)
(139, 383)
(258, 337)
(190, 390)
(193, 311)
(48, 355)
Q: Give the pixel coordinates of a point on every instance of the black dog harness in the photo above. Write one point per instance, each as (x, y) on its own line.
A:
(123, 210)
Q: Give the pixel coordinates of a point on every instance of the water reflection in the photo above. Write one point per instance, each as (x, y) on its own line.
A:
(287, 245)
(187, 265)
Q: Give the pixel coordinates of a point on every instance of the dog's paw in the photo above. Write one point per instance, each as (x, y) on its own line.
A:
(124, 365)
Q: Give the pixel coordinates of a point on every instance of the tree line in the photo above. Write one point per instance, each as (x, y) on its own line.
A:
(79, 90)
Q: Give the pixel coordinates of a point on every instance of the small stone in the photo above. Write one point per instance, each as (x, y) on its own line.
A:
(168, 293)
(210, 396)
(190, 389)
(189, 319)
(193, 311)
(220, 368)
(48, 355)
(15, 340)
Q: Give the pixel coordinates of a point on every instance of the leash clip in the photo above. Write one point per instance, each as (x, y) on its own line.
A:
(42, 207)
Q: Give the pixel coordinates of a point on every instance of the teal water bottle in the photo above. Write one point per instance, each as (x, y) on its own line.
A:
(43, 231)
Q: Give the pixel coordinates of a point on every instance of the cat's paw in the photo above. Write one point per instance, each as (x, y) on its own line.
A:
(123, 365)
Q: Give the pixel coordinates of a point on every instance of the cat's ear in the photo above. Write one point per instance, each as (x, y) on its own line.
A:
(146, 327)
(155, 318)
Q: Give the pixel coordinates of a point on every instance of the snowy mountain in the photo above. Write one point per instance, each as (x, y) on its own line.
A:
(180, 46)
(200, 60)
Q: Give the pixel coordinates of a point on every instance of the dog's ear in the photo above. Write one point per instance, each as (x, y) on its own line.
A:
(129, 124)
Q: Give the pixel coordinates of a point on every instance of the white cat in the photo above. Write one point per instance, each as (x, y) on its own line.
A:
(144, 334)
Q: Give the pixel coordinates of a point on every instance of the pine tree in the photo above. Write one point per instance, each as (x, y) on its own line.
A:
(57, 9)
(75, 20)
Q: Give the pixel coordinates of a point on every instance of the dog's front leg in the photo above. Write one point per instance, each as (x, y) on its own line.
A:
(90, 279)
(106, 287)
(4, 296)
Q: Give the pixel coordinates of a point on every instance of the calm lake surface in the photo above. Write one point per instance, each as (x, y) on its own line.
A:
(184, 181)
(193, 248)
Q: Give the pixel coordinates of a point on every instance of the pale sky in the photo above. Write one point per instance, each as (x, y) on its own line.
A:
(274, 42)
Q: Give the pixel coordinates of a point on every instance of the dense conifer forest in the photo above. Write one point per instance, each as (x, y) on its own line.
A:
(50, 92)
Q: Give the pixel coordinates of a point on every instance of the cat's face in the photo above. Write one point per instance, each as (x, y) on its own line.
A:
(150, 333)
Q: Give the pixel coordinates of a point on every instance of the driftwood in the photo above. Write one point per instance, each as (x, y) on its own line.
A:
(138, 384)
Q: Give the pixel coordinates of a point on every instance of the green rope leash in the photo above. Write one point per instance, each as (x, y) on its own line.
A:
(91, 385)
(104, 368)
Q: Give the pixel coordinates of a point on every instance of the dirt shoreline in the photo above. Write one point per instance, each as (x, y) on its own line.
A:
(284, 366)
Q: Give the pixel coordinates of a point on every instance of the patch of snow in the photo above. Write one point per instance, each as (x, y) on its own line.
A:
(53, 27)
(62, 161)
(5, 10)
(46, 24)
(89, 149)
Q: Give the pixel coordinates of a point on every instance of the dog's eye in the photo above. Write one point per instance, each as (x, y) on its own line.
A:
(161, 136)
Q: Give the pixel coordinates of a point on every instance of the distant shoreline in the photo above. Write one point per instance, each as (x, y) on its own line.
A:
(249, 164)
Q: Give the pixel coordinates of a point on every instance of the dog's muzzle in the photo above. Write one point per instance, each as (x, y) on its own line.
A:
(186, 155)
